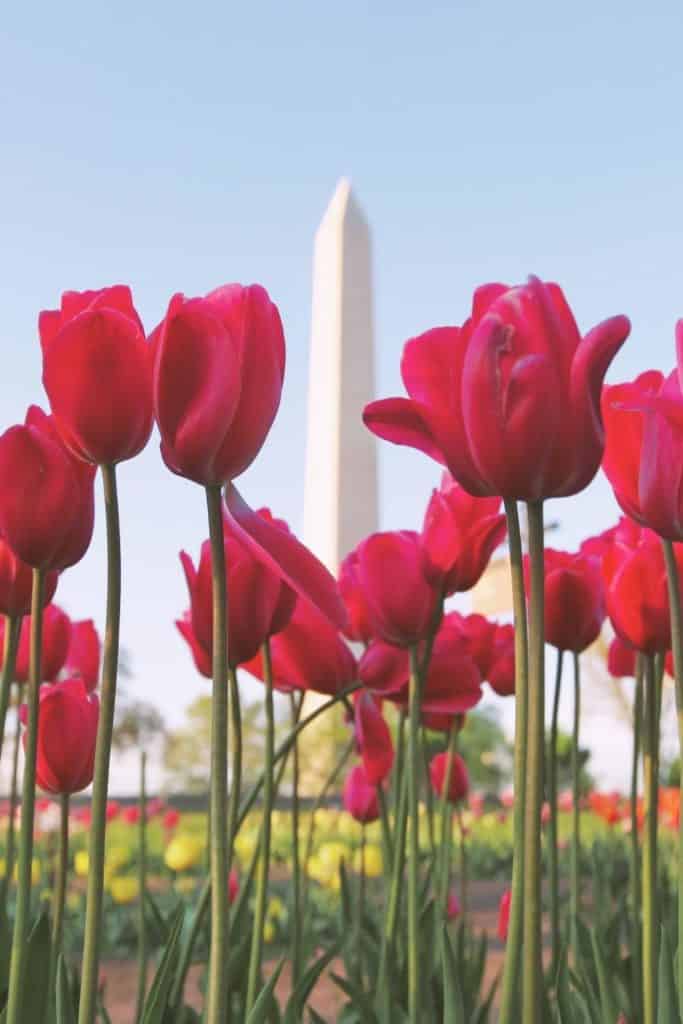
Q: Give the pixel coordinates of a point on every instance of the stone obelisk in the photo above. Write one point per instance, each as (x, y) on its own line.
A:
(340, 499)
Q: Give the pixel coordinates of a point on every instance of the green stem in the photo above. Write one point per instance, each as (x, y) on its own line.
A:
(58, 898)
(637, 946)
(464, 883)
(13, 802)
(320, 799)
(413, 844)
(387, 847)
(297, 922)
(261, 905)
(533, 967)
(509, 1012)
(429, 797)
(12, 628)
(554, 880)
(110, 662)
(360, 902)
(142, 885)
(677, 650)
(650, 908)
(575, 887)
(394, 901)
(236, 767)
(18, 964)
(217, 989)
(446, 830)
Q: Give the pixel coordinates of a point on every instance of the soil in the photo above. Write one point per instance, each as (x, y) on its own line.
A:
(327, 999)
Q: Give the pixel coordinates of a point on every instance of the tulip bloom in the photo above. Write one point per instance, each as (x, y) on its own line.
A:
(219, 365)
(621, 659)
(452, 904)
(233, 885)
(459, 780)
(501, 674)
(97, 374)
(400, 603)
(16, 584)
(360, 796)
(574, 600)
(373, 738)
(47, 507)
(504, 915)
(478, 636)
(459, 535)
(260, 604)
(452, 685)
(67, 730)
(83, 657)
(643, 457)
(359, 626)
(510, 401)
(309, 654)
(636, 588)
(56, 635)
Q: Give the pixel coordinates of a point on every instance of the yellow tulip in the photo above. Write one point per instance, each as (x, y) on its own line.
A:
(269, 931)
(35, 871)
(82, 863)
(124, 889)
(276, 907)
(372, 860)
(182, 853)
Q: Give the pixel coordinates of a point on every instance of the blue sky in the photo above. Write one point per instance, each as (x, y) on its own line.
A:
(175, 147)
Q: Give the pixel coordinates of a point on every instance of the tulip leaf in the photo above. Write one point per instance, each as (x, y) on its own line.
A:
(359, 1000)
(454, 1006)
(608, 1000)
(262, 1007)
(667, 1008)
(297, 1000)
(157, 998)
(65, 1008)
(38, 956)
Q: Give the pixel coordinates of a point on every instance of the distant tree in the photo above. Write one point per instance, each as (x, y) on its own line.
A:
(564, 764)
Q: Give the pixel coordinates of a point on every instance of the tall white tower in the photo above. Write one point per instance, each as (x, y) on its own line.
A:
(340, 498)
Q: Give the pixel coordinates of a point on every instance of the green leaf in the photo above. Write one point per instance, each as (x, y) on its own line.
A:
(667, 1008)
(315, 1017)
(297, 1000)
(608, 1000)
(359, 1000)
(38, 970)
(261, 1008)
(157, 999)
(65, 1008)
(454, 1006)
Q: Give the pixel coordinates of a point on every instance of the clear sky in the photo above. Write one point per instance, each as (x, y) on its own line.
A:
(175, 147)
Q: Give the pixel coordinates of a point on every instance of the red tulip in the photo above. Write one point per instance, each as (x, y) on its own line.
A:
(219, 364)
(154, 808)
(83, 815)
(574, 600)
(83, 658)
(478, 636)
(55, 644)
(504, 915)
(510, 402)
(171, 819)
(16, 581)
(67, 731)
(309, 654)
(359, 626)
(131, 814)
(452, 905)
(644, 450)
(360, 796)
(270, 541)
(400, 602)
(459, 535)
(97, 373)
(233, 885)
(459, 780)
(259, 603)
(452, 686)
(636, 588)
(47, 507)
(501, 674)
(621, 659)
(373, 738)
(113, 808)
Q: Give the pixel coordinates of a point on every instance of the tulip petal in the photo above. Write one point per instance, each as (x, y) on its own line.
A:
(400, 421)
(287, 557)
